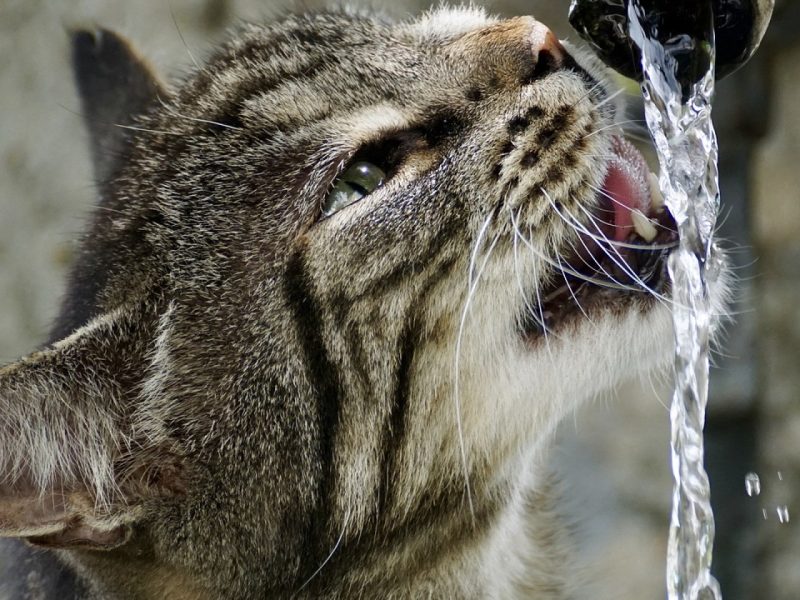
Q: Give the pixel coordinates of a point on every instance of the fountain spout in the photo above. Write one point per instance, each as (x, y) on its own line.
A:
(739, 26)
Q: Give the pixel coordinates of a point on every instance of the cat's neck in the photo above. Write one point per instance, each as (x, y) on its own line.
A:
(502, 549)
(508, 546)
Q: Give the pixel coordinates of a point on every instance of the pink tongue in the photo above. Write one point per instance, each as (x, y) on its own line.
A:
(622, 192)
(626, 185)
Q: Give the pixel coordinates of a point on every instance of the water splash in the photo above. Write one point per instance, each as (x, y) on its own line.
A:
(783, 514)
(752, 484)
(678, 86)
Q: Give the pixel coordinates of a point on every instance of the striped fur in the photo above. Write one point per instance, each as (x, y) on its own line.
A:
(327, 408)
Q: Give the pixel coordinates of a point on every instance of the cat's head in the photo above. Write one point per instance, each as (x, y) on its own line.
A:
(344, 272)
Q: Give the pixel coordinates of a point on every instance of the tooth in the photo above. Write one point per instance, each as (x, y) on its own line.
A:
(643, 226)
(656, 196)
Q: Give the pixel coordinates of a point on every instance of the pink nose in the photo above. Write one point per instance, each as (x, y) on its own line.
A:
(517, 51)
(547, 50)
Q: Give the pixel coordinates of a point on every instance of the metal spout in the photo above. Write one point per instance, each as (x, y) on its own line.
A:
(738, 26)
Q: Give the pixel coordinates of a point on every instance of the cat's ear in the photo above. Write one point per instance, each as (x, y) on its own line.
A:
(115, 85)
(71, 471)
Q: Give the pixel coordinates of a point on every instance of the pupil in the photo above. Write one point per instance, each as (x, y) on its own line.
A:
(358, 187)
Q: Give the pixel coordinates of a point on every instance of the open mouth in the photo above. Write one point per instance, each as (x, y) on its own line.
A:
(621, 248)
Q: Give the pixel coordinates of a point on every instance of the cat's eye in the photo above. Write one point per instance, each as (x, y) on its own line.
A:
(358, 180)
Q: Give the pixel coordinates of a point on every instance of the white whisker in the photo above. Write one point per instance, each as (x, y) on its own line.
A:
(145, 130)
(608, 99)
(180, 35)
(655, 392)
(539, 303)
(473, 280)
(588, 93)
(602, 238)
(570, 290)
(530, 310)
(330, 554)
(617, 202)
(607, 127)
(614, 255)
(621, 263)
(175, 113)
(638, 137)
(569, 270)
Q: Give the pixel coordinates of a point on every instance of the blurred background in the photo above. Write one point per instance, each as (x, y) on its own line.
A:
(614, 455)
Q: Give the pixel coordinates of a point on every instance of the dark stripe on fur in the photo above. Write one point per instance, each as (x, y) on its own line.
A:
(423, 257)
(325, 381)
(440, 527)
(236, 96)
(396, 422)
(395, 426)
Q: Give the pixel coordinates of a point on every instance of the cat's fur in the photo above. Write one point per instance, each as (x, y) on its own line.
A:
(242, 399)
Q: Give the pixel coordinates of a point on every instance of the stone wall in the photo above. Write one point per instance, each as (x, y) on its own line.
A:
(614, 455)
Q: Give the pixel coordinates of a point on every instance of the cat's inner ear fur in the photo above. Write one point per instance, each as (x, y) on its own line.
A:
(73, 472)
(115, 85)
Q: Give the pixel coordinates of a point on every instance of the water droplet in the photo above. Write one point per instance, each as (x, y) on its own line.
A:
(764, 512)
(780, 476)
(752, 484)
(783, 513)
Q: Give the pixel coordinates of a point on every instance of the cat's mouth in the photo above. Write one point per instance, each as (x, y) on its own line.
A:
(621, 247)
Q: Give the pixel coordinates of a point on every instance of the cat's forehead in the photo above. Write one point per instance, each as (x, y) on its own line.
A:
(445, 24)
(363, 48)
(351, 28)
(310, 67)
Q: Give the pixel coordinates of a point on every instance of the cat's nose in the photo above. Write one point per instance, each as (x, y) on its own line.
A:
(548, 53)
(516, 51)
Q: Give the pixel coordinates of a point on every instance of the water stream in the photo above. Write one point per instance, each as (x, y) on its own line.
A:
(678, 86)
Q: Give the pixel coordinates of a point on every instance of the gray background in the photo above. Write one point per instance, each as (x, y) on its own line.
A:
(614, 454)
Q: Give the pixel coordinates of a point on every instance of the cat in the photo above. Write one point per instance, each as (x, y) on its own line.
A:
(342, 284)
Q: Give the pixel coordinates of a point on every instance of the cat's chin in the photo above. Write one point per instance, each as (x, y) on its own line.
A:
(616, 335)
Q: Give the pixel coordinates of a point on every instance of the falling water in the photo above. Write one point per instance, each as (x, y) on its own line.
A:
(678, 112)
(752, 484)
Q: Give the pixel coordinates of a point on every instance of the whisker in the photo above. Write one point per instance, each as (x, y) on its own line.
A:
(330, 554)
(547, 332)
(608, 99)
(569, 270)
(110, 124)
(528, 307)
(180, 35)
(539, 303)
(578, 226)
(108, 209)
(145, 130)
(621, 263)
(655, 391)
(639, 137)
(473, 280)
(588, 92)
(617, 202)
(618, 244)
(175, 113)
(632, 126)
(726, 214)
(607, 127)
(571, 292)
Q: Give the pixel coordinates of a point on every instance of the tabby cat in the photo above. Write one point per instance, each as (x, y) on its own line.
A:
(342, 284)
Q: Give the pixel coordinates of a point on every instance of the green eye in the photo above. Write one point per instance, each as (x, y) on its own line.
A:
(358, 180)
